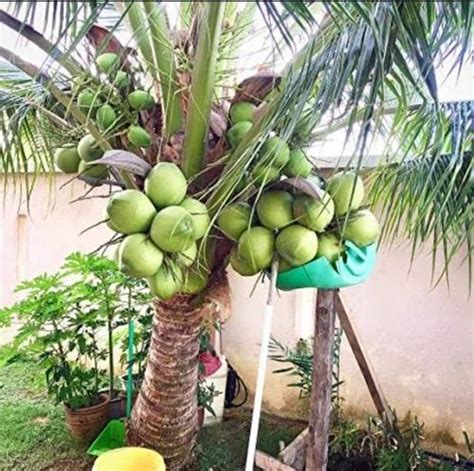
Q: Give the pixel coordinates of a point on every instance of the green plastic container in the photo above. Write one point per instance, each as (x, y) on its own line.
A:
(355, 267)
(113, 436)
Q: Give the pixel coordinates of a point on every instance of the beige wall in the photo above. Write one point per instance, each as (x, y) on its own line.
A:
(420, 341)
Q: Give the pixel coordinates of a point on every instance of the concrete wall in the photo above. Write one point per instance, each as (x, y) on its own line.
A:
(420, 341)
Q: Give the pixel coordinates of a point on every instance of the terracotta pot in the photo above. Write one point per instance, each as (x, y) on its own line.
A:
(86, 423)
(200, 417)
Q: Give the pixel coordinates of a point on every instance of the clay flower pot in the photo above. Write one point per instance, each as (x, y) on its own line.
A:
(86, 423)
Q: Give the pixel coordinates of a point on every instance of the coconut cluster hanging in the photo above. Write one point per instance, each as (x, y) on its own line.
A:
(161, 225)
(296, 226)
(113, 108)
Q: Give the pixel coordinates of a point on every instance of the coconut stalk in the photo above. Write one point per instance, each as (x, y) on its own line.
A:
(320, 415)
(136, 19)
(202, 89)
(163, 56)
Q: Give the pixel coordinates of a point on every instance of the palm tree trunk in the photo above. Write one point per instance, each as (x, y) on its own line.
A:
(164, 417)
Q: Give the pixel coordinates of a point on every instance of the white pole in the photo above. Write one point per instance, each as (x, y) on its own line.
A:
(262, 366)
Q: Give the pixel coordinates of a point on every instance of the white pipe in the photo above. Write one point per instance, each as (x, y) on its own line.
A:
(262, 367)
(257, 404)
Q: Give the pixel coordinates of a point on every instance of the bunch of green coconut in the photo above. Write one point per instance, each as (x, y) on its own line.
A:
(109, 102)
(298, 227)
(162, 227)
(275, 157)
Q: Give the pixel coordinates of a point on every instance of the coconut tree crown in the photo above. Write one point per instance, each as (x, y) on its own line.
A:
(188, 152)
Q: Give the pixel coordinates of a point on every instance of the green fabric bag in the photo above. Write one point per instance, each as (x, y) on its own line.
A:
(353, 268)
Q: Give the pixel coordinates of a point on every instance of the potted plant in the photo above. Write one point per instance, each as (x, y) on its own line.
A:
(77, 387)
(101, 286)
(62, 335)
(206, 395)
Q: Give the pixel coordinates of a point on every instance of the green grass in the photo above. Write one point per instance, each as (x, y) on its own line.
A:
(224, 447)
(33, 436)
(31, 426)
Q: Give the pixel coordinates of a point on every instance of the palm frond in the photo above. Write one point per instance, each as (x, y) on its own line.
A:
(434, 167)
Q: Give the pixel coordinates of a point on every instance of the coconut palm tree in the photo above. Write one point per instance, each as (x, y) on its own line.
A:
(365, 68)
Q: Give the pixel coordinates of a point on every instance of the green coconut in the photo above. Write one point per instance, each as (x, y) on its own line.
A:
(275, 151)
(140, 100)
(93, 171)
(329, 246)
(187, 256)
(241, 185)
(283, 265)
(297, 245)
(262, 174)
(79, 82)
(121, 80)
(110, 225)
(87, 99)
(275, 209)
(347, 191)
(256, 247)
(200, 215)
(362, 228)
(88, 149)
(240, 265)
(106, 117)
(298, 165)
(107, 62)
(195, 281)
(166, 282)
(173, 229)
(138, 136)
(67, 159)
(312, 213)
(139, 256)
(242, 111)
(234, 219)
(131, 211)
(237, 132)
(166, 185)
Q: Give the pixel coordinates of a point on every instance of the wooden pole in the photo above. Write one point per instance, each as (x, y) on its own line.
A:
(319, 421)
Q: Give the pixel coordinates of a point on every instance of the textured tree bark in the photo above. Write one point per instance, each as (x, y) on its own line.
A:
(164, 417)
(319, 422)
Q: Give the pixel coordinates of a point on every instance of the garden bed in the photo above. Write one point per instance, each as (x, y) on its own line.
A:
(35, 438)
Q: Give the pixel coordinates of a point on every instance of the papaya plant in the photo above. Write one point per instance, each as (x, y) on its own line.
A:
(153, 110)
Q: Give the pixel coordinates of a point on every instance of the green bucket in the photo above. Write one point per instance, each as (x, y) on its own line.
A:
(354, 267)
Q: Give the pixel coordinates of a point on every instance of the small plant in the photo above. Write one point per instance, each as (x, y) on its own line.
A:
(60, 331)
(206, 395)
(395, 445)
(62, 315)
(300, 361)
